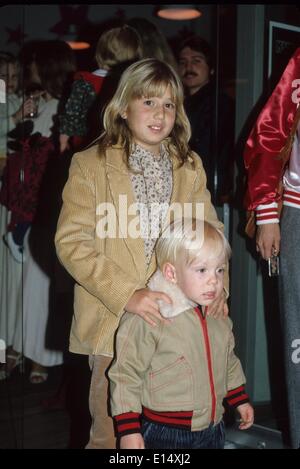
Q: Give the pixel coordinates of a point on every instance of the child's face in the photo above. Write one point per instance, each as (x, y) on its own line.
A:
(202, 281)
(151, 120)
(9, 73)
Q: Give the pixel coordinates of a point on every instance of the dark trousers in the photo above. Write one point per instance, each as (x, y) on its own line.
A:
(289, 292)
(158, 436)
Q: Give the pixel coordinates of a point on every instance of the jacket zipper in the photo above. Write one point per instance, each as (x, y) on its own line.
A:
(209, 362)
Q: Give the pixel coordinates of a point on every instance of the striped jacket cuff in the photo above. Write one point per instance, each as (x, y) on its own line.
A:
(291, 198)
(237, 396)
(267, 213)
(128, 423)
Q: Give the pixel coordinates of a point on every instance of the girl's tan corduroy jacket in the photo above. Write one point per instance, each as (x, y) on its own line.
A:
(108, 270)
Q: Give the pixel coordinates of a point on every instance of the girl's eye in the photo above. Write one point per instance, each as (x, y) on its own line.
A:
(221, 270)
(148, 102)
(170, 105)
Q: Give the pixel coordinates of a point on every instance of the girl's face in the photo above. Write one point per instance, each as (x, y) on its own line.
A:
(151, 120)
(9, 73)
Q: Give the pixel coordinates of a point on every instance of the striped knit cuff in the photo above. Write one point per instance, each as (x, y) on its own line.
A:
(267, 213)
(237, 396)
(128, 423)
(291, 198)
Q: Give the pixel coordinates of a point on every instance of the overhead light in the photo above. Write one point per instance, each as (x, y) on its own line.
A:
(78, 45)
(70, 37)
(178, 12)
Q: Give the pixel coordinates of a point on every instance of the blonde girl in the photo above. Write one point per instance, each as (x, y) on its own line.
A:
(141, 161)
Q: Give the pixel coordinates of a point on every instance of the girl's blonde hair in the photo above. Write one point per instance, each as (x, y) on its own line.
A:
(188, 239)
(146, 78)
(118, 45)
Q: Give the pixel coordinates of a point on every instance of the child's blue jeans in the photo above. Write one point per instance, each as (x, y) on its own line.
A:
(159, 436)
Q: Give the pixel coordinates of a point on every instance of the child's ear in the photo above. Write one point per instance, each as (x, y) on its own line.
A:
(169, 272)
(123, 114)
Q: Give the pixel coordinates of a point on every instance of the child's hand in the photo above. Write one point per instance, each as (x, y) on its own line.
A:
(247, 416)
(218, 308)
(143, 302)
(132, 441)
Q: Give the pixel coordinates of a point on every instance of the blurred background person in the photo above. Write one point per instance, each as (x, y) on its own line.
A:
(154, 43)
(52, 66)
(80, 120)
(211, 115)
(10, 270)
(9, 73)
(13, 110)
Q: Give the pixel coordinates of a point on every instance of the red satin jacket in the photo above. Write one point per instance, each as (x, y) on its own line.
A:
(269, 136)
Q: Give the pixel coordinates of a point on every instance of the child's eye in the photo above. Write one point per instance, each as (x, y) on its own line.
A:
(170, 105)
(201, 270)
(148, 102)
(221, 270)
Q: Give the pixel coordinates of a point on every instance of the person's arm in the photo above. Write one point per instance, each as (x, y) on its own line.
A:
(73, 120)
(64, 142)
(236, 392)
(136, 342)
(267, 139)
(75, 240)
(264, 160)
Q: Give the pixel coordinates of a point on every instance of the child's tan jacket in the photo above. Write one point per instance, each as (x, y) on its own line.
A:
(108, 271)
(186, 365)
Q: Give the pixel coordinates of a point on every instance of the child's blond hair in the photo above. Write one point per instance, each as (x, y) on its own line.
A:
(188, 239)
(146, 78)
(118, 45)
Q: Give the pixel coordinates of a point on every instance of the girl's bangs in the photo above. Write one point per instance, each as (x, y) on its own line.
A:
(155, 88)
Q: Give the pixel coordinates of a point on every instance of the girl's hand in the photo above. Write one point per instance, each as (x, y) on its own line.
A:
(218, 308)
(132, 441)
(247, 415)
(143, 302)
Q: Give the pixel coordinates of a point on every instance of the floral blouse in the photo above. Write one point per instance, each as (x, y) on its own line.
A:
(152, 183)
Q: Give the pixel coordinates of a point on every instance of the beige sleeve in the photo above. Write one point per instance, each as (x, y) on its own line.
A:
(135, 345)
(75, 243)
